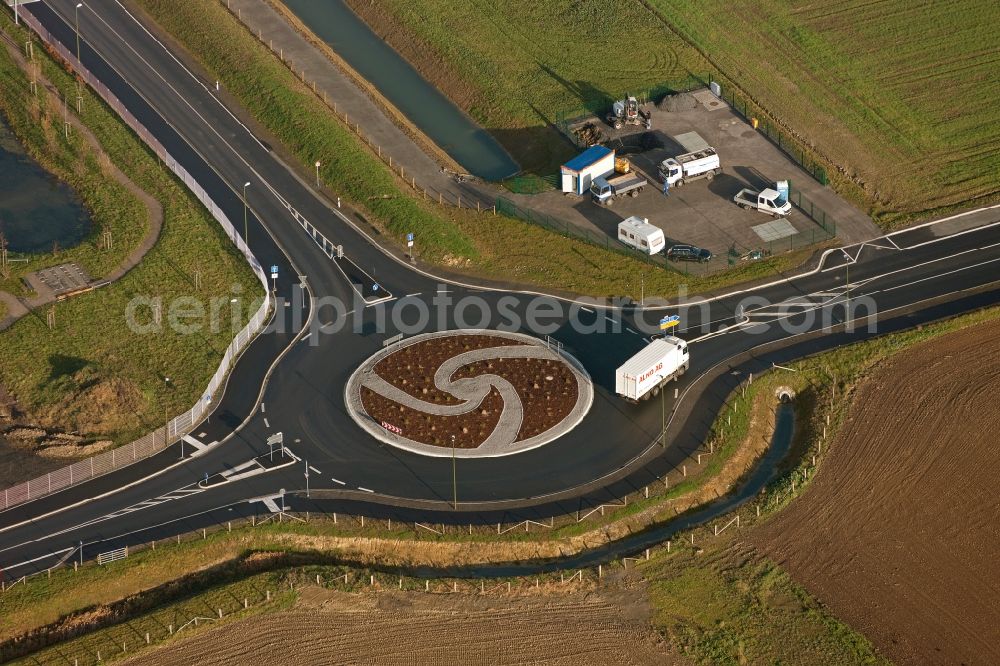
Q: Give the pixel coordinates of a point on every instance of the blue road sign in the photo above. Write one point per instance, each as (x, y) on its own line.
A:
(409, 237)
(375, 287)
(274, 269)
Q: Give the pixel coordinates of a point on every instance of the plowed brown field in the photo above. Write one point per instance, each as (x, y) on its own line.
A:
(898, 533)
(331, 627)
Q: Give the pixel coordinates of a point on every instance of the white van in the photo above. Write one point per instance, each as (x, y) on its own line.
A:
(637, 232)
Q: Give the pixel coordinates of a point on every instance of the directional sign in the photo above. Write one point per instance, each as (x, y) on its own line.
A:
(409, 238)
(375, 287)
(391, 428)
(669, 321)
(274, 272)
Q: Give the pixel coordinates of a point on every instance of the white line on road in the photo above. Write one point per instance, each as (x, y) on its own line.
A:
(338, 481)
(585, 309)
(367, 490)
(266, 424)
(632, 330)
(413, 295)
(314, 469)
(261, 408)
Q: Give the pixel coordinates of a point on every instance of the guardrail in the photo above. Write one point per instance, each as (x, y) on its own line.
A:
(112, 555)
(161, 438)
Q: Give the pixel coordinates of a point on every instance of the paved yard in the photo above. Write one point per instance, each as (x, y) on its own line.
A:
(702, 212)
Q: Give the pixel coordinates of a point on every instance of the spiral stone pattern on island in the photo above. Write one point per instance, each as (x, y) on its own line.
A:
(468, 394)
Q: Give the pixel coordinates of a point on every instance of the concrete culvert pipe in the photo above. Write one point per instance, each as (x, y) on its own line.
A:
(784, 393)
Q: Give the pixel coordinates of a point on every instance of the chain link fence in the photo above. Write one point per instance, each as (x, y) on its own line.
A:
(161, 438)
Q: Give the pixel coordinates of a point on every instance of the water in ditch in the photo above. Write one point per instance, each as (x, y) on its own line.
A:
(37, 210)
(423, 104)
(764, 472)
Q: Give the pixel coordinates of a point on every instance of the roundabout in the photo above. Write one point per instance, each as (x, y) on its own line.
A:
(469, 393)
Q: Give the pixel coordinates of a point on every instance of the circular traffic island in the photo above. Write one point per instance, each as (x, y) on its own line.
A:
(471, 393)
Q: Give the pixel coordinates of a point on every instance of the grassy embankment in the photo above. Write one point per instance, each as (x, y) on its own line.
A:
(483, 244)
(91, 373)
(515, 66)
(723, 602)
(899, 95)
(36, 120)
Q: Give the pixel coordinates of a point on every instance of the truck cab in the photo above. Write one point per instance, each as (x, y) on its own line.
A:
(670, 171)
(768, 200)
(601, 190)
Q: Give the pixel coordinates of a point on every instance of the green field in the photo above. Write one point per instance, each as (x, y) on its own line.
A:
(515, 66)
(91, 373)
(902, 106)
(901, 94)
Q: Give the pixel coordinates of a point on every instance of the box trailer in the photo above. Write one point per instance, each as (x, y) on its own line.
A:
(690, 166)
(638, 233)
(648, 371)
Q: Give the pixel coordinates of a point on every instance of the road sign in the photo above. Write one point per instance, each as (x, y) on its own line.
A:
(375, 287)
(208, 397)
(669, 321)
(409, 240)
(274, 272)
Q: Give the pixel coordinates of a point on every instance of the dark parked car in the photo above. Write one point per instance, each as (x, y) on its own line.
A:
(688, 253)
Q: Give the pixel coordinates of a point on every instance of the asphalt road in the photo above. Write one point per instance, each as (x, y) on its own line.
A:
(349, 307)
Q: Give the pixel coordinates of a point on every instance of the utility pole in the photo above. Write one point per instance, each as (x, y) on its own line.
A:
(246, 238)
(454, 476)
(663, 418)
(77, 14)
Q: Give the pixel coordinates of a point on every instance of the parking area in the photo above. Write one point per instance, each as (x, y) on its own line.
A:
(702, 212)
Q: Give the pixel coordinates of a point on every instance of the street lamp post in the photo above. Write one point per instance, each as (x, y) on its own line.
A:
(76, 13)
(246, 238)
(454, 476)
(318, 163)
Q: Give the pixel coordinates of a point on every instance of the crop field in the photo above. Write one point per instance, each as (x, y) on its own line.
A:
(417, 628)
(514, 66)
(897, 534)
(900, 93)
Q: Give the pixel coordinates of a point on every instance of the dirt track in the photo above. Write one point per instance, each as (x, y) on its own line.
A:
(898, 533)
(332, 627)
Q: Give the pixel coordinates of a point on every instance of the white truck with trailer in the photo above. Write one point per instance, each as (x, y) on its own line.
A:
(605, 190)
(649, 371)
(768, 200)
(638, 233)
(690, 166)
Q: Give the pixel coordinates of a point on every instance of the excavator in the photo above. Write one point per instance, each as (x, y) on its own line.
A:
(627, 112)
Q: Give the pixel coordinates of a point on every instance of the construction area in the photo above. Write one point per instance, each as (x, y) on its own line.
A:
(709, 154)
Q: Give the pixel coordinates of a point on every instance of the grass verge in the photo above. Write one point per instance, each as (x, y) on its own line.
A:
(92, 373)
(483, 244)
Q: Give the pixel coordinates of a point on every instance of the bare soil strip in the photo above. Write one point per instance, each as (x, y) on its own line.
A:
(898, 532)
(417, 628)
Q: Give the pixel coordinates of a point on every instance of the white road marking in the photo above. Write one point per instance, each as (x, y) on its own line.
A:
(338, 481)
(266, 424)
(271, 506)
(587, 310)
(194, 442)
(632, 330)
(261, 408)
(314, 469)
(609, 319)
(367, 490)
(413, 294)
